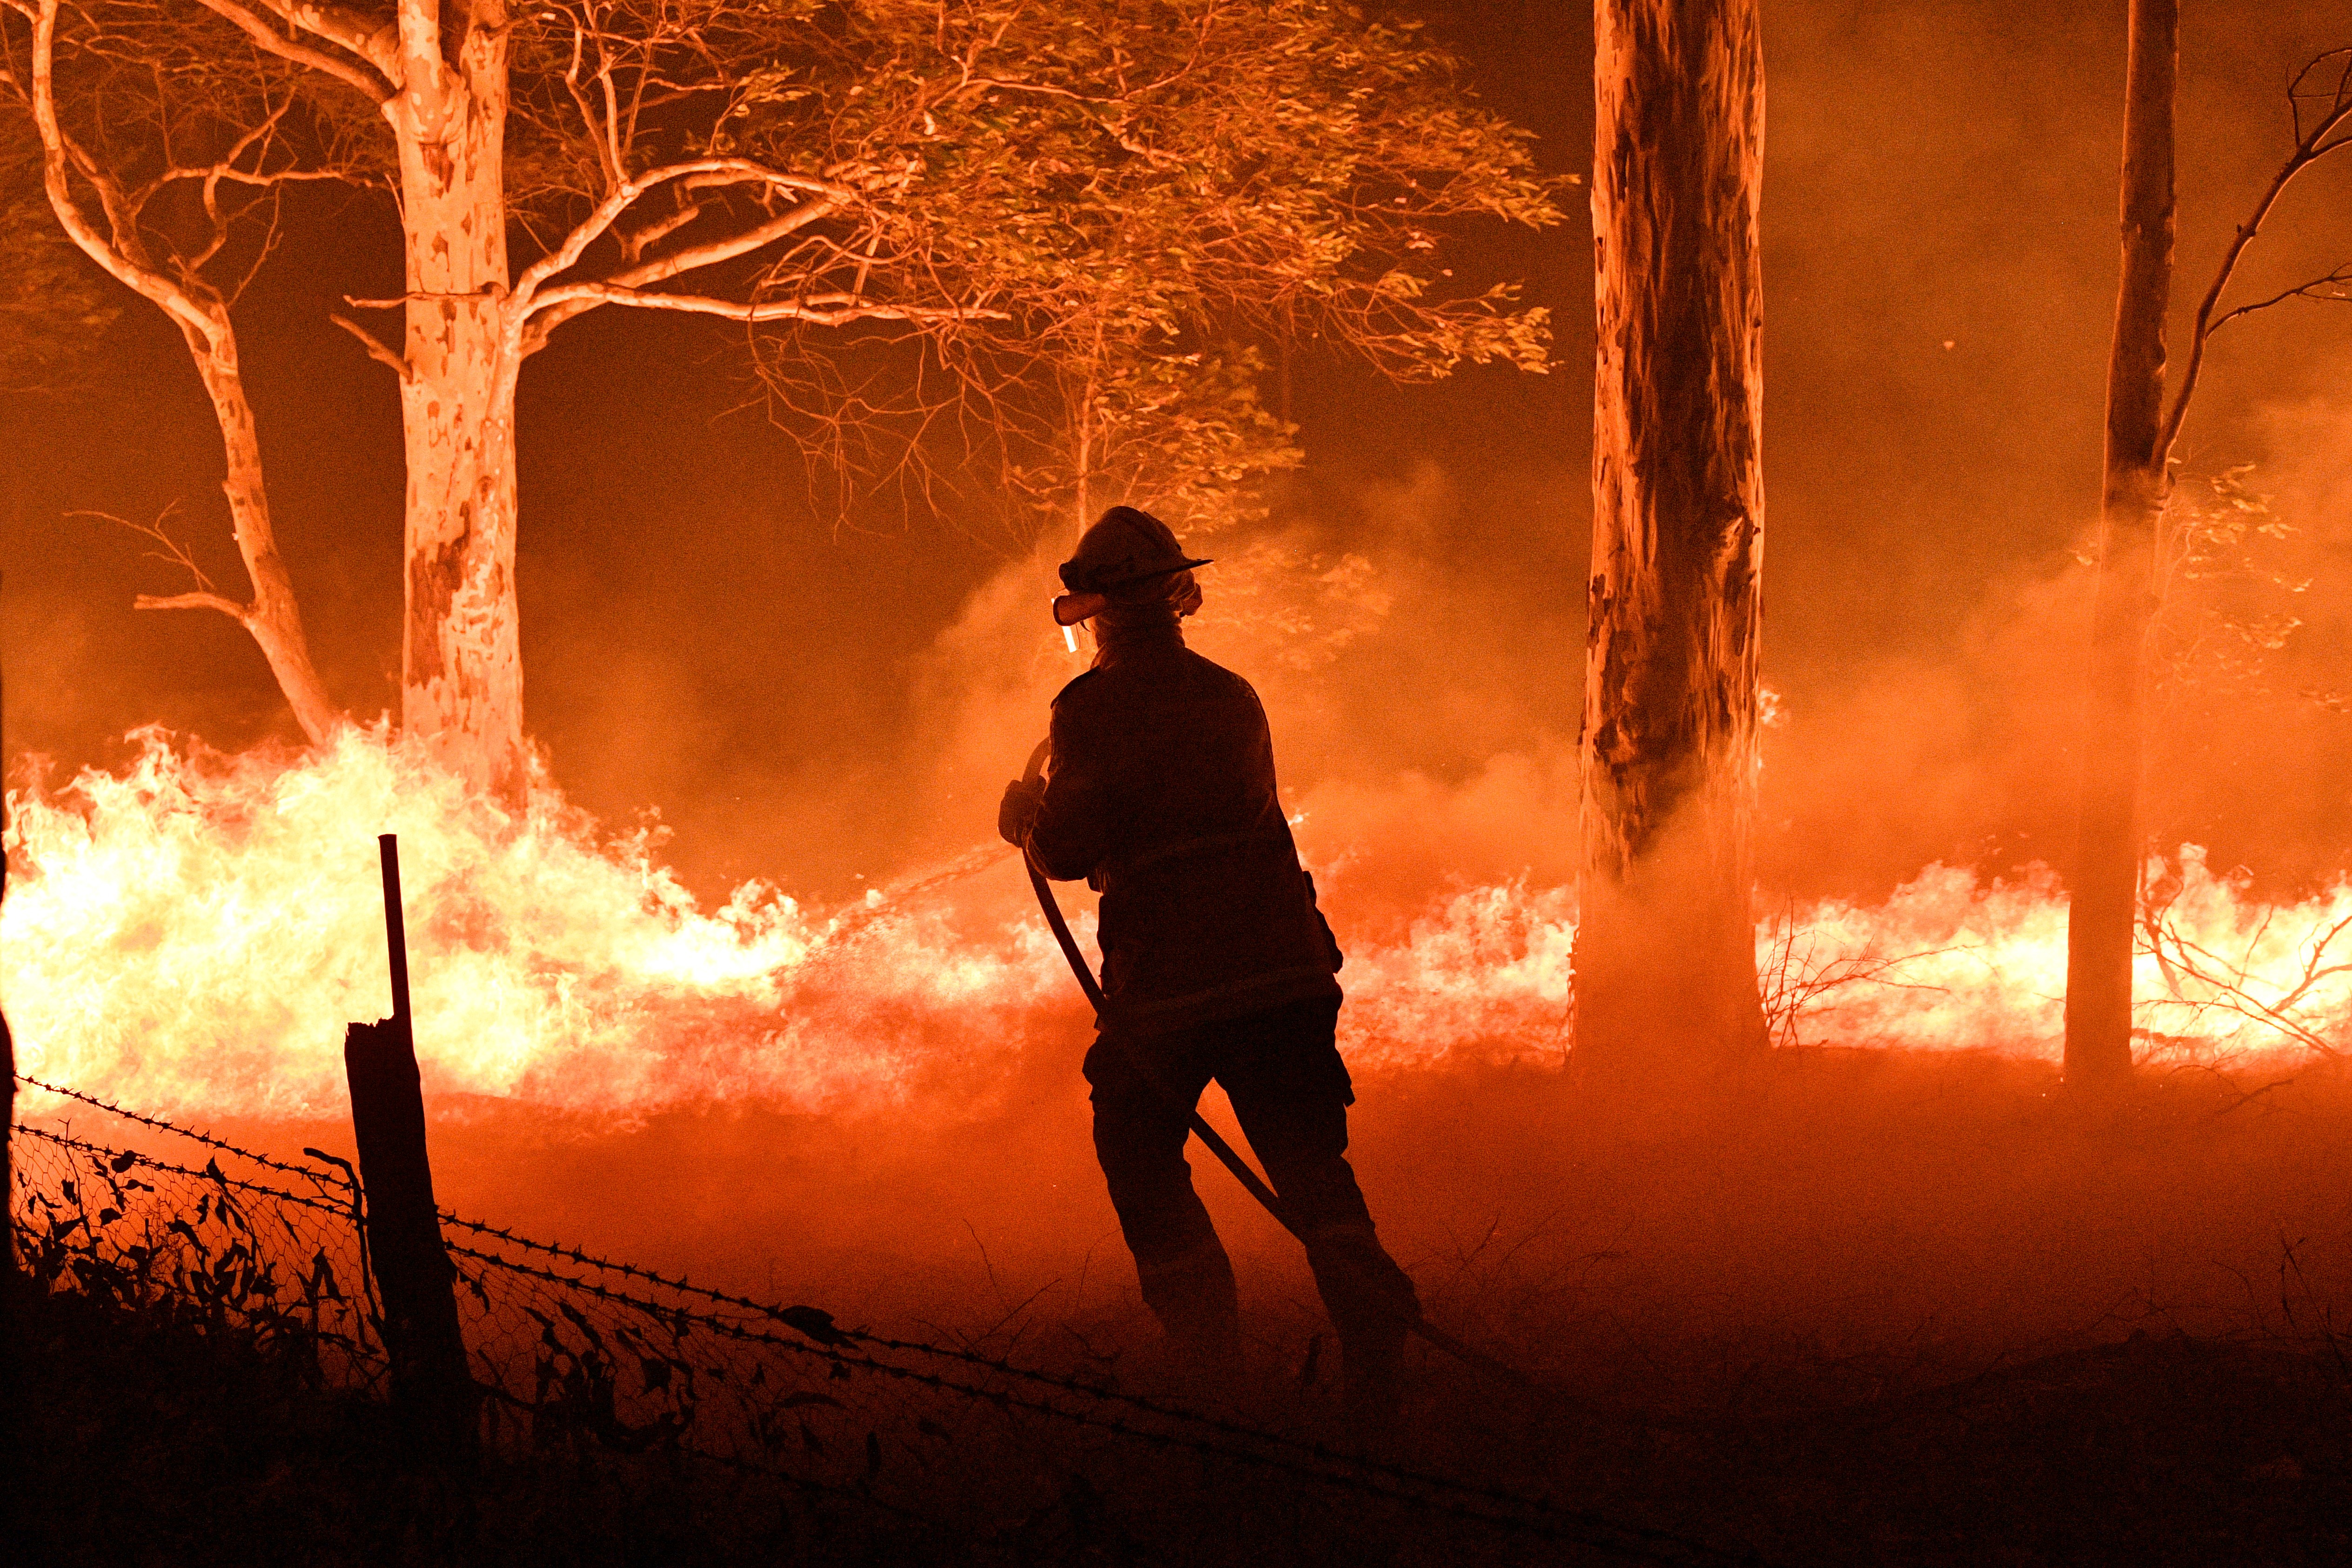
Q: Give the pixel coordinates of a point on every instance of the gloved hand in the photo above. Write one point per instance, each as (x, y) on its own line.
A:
(1017, 813)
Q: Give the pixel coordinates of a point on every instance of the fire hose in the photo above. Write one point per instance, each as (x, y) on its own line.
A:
(1225, 1152)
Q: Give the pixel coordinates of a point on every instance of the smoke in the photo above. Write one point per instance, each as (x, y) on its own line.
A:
(832, 703)
(803, 1031)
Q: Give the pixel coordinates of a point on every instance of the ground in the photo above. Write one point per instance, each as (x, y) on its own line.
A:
(1865, 1310)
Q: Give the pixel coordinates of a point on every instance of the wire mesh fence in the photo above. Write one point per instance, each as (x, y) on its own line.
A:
(573, 1353)
(202, 1246)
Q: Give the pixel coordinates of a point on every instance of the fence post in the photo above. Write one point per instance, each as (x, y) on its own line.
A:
(430, 1380)
(9, 1121)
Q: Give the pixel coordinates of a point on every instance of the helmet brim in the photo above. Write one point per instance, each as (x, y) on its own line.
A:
(1183, 564)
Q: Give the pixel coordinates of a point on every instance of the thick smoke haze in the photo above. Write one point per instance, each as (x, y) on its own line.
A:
(718, 1052)
(830, 702)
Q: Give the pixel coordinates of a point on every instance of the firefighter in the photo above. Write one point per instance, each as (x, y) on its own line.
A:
(1216, 964)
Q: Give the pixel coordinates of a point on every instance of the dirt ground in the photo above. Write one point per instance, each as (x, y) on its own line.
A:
(1872, 1308)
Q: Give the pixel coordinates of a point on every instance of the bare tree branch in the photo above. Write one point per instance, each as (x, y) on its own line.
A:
(2295, 1010)
(635, 243)
(175, 299)
(204, 596)
(2341, 277)
(818, 309)
(662, 268)
(2310, 148)
(400, 300)
(374, 345)
(227, 176)
(377, 88)
(376, 43)
(704, 174)
(171, 550)
(228, 607)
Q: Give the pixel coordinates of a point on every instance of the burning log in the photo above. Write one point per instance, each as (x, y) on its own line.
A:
(403, 1224)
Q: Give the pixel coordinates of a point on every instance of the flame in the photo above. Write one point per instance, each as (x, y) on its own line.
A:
(192, 932)
(196, 931)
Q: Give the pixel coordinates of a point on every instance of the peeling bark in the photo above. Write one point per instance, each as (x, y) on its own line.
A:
(2105, 887)
(1665, 966)
(461, 654)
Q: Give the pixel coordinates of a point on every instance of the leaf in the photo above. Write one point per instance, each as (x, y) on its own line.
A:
(816, 1323)
(586, 1326)
(122, 1161)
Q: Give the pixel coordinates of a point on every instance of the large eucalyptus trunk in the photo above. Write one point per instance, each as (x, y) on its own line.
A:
(1665, 966)
(461, 653)
(2105, 884)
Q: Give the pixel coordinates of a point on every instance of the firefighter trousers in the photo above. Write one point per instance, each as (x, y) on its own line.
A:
(1291, 1091)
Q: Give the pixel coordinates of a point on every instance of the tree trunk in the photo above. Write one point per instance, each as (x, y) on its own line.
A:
(2102, 914)
(1666, 963)
(202, 314)
(272, 617)
(7, 1129)
(461, 653)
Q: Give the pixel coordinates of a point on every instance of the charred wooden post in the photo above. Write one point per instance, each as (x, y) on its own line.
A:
(7, 1125)
(429, 1377)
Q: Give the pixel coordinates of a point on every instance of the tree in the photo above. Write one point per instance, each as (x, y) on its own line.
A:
(2136, 489)
(984, 175)
(1182, 433)
(1665, 962)
(168, 232)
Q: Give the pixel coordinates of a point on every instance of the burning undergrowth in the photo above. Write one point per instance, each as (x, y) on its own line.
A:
(194, 930)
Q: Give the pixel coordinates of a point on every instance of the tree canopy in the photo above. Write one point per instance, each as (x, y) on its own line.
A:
(1090, 214)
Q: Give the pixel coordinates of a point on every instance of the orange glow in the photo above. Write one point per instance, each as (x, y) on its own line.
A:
(194, 931)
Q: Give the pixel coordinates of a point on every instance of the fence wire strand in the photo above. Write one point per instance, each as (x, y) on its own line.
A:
(200, 1245)
(608, 1355)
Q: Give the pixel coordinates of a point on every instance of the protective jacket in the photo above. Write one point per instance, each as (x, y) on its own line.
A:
(1161, 796)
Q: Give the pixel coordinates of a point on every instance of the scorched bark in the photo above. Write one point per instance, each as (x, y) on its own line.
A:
(1666, 949)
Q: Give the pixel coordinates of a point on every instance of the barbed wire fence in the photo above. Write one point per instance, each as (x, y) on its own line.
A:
(573, 1351)
(205, 1246)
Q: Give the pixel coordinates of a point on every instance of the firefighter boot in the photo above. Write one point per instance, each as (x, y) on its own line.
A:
(1373, 1305)
(1192, 1295)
